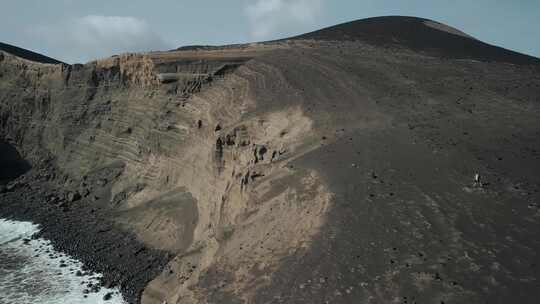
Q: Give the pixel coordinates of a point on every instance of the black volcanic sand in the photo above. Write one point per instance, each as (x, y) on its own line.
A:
(412, 33)
(26, 54)
(401, 138)
(416, 226)
(79, 225)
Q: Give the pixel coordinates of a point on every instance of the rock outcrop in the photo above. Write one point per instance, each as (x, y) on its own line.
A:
(331, 167)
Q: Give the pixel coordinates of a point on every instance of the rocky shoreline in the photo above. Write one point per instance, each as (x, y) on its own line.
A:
(80, 224)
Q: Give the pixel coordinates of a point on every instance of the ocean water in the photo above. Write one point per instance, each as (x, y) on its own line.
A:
(32, 272)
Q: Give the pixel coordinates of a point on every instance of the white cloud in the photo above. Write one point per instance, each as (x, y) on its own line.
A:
(94, 36)
(270, 17)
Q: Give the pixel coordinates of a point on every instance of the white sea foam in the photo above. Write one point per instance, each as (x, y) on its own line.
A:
(31, 271)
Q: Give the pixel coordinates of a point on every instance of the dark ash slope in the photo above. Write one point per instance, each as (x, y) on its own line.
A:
(412, 32)
(26, 54)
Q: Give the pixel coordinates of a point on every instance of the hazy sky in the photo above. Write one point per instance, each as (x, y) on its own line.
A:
(80, 30)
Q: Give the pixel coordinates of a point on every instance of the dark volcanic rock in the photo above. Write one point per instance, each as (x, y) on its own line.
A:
(11, 163)
(107, 296)
(26, 54)
(75, 230)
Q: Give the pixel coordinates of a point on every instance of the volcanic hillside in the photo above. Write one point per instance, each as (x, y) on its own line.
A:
(333, 167)
(26, 54)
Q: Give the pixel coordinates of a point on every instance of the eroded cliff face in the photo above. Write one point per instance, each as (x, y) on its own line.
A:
(300, 171)
(205, 173)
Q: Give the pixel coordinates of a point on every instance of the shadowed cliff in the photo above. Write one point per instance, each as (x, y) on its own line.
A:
(11, 163)
(421, 35)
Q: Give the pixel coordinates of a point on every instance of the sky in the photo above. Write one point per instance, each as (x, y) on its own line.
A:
(80, 30)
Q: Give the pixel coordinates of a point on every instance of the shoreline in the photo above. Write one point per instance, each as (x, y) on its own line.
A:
(83, 229)
(31, 271)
